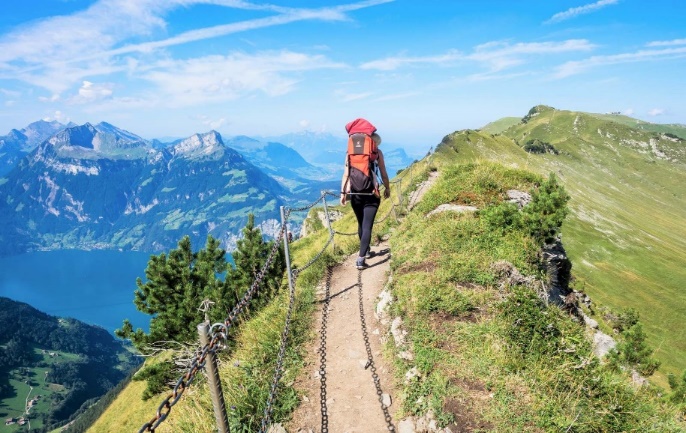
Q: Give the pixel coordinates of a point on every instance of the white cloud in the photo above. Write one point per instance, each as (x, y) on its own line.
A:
(666, 43)
(212, 123)
(58, 52)
(581, 10)
(222, 78)
(580, 66)
(500, 55)
(628, 112)
(52, 98)
(304, 123)
(348, 97)
(391, 63)
(396, 96)
(656, 112)
(58, 116)
(91, 92)
(496, 55)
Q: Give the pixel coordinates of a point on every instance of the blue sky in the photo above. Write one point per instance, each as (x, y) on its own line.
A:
(416, 69)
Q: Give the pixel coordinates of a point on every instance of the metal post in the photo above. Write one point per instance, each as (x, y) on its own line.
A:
(400, 196)
(213, 381)
(328, 223)
(285, 248)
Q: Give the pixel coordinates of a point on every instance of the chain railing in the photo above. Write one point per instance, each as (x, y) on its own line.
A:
(219, 331)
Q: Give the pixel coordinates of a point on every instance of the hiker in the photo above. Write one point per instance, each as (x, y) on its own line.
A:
(360, 182)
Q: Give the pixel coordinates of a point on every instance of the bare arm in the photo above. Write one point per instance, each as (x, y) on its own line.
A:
(384, 176)
(344, 183)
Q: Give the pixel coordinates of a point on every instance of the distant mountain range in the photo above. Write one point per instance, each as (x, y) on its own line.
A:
(101, 187)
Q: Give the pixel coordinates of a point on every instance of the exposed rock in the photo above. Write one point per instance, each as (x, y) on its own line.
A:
(453, 208)
(406, 426)
(276, 428)
(637, 379)
(602, 344)
(593, 324)
(558, 268)
(412, 374)
(520, 198)
(334, 215)
(385, 299)
(508, 275)
(398, 332)
(386, 400)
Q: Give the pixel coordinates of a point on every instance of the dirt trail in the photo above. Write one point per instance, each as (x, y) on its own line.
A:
(352, 401)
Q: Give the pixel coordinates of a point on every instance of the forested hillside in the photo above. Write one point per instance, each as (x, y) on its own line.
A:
(61, 363)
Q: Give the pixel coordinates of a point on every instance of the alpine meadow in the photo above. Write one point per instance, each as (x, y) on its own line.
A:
(515, 250)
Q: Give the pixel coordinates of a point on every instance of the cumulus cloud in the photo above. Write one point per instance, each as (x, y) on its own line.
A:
(581, 10)
(52, 98)
(91, 92)
(628, 112)
(656, 112)
(58, 116)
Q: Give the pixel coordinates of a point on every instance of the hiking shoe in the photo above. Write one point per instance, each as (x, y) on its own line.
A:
(370, 253)
(360, 264)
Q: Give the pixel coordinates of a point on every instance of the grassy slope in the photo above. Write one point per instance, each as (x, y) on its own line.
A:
(626, 235)
(500, 125)
(489, 359)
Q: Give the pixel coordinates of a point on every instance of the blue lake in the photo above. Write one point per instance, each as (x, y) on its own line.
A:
(95, 287)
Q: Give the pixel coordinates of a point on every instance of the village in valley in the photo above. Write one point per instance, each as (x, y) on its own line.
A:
(34, 394)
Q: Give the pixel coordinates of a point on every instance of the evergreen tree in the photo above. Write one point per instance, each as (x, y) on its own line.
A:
(543, 217)
(176, 285)
(250, 257)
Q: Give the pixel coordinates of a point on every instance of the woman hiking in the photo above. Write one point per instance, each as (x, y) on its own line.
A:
(360, 181)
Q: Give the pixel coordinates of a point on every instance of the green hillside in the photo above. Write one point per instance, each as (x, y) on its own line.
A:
(492, 355)
(501, 125)
(626, 234)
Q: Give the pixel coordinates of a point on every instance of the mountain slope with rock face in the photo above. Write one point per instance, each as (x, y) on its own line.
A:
(101, 187)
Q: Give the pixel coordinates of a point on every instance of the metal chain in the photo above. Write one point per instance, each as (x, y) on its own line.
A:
(181, 385)
(300, 209)
(322, 351)
(297, 271)
(388, 214)
(184, 381)
(370, 357)
(278, 371)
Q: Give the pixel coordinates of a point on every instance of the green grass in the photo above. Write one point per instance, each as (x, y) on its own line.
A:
(493, 357)
(626, 234)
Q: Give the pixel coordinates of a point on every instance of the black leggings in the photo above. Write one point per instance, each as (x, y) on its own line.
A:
(365, 208)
